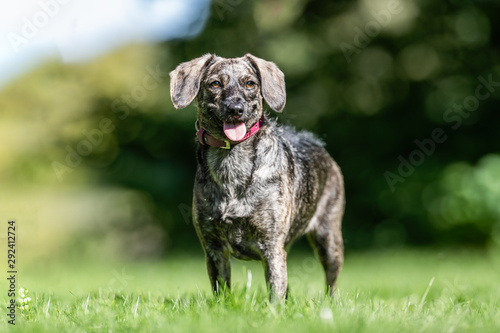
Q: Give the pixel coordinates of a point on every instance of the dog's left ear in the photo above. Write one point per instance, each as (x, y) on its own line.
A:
(272, 82)
(185, 80)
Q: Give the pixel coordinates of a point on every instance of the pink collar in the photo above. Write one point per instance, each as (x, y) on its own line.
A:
(206, 139)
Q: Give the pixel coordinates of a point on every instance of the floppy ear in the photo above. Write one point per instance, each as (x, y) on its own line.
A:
(185, 80)
(272, 82)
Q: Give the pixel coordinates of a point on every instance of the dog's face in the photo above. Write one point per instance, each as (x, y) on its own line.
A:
(229, 92)
(229, 95)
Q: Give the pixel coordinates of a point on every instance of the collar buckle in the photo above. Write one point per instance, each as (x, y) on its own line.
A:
(227, 146)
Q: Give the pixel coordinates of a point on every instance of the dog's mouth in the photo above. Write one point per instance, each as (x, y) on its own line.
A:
(235, 131)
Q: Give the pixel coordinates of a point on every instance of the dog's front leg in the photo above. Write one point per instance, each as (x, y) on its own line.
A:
(276, 274)
(219, 270)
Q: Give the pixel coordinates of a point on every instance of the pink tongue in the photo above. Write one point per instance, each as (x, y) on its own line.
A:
(235, 132)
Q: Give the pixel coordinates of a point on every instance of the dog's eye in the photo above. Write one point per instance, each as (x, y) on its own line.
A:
(250, 84)
(216, 84)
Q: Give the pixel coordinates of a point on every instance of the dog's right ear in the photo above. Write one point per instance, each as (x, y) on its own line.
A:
(185, 80)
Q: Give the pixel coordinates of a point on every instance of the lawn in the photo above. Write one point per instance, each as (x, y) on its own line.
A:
(388, 291)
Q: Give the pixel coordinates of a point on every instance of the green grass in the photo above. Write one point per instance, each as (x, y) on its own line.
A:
(378, 292)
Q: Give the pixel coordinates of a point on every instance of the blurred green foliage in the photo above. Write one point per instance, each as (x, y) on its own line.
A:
(369, 77)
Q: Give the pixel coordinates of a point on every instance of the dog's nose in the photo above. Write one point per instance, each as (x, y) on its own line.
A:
(236, 109)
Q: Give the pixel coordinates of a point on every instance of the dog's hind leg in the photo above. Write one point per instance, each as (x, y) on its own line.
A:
(326, 236)
(330, 252)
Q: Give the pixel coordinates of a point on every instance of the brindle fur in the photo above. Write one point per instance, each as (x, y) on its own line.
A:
(253, 200)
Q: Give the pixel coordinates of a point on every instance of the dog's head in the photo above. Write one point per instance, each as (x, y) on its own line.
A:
(228, 92)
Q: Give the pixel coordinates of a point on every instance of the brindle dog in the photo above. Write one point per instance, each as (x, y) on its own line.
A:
(257, 190)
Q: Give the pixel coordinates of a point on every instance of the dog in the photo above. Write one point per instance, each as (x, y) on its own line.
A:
(259, 186)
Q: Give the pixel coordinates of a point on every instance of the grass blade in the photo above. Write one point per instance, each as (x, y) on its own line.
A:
(422, 301)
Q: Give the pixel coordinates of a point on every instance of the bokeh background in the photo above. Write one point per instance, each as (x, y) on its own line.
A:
(375, 79)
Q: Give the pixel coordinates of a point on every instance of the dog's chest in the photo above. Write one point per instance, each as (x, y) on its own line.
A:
(241, 182)
(237, 195)
(231, 171)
